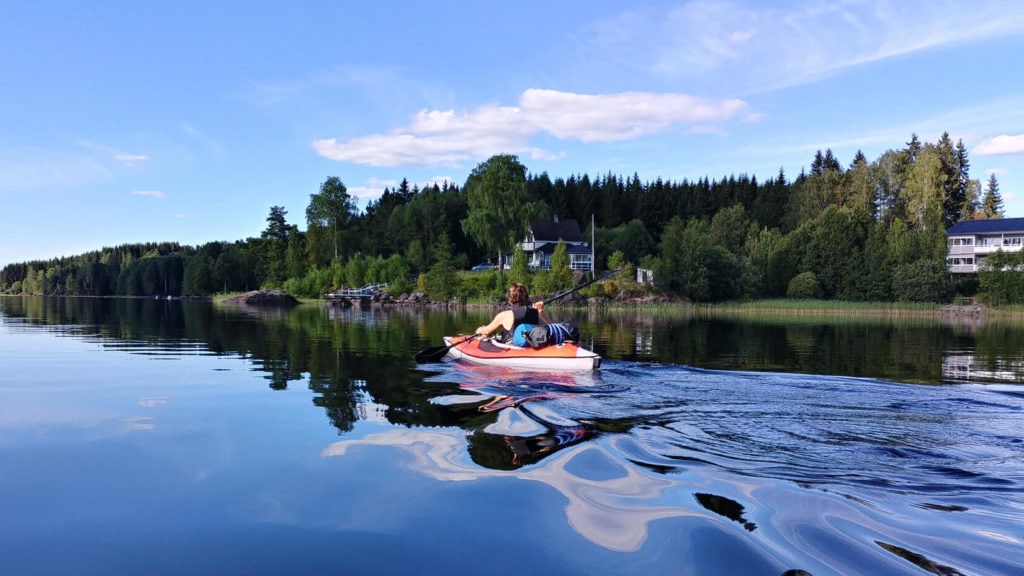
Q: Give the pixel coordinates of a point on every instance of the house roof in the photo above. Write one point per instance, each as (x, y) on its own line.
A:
(991, 226)
(549, 248)
(555, 230)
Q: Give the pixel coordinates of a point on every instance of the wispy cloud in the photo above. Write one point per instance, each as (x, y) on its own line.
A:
(131, 159)
(303, 89)
(766, 46)
(213, 148)
(148, 193)
(1005, 144)
(29, 169)
(446, 137)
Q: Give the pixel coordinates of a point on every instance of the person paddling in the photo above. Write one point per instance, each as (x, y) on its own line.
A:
(520, 312)
(525, 324)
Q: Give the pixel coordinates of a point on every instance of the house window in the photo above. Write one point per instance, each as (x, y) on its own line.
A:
(579, 261)
(960, 261)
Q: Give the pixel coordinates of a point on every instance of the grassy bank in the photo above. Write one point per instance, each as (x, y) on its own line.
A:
(781, 308)
(829, 308)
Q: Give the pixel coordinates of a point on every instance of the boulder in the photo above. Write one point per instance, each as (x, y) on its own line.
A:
(264, 298)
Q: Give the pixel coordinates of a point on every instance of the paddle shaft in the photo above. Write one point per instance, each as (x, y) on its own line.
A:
(561, 295)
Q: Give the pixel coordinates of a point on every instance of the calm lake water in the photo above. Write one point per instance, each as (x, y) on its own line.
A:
(154, 437)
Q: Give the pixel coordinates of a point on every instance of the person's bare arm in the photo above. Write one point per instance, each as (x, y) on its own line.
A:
(539, 307)
(501, 320)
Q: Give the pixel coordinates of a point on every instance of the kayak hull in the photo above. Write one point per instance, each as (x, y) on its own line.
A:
(484, 351)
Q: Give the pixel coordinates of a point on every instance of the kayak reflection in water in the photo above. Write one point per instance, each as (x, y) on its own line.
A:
(522, 435)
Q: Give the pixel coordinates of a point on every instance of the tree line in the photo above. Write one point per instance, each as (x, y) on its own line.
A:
(868, 231)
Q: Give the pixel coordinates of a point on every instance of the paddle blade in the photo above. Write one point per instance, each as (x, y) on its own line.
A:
(432, 355)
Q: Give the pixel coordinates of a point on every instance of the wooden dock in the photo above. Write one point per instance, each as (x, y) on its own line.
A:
(367, 291)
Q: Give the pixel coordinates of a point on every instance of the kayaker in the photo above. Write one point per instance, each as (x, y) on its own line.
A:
(520, 312)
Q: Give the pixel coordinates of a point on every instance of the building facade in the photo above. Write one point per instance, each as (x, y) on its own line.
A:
(971, 241)
(542, 239)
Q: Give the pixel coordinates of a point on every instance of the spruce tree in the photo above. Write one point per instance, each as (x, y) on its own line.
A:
(952, 195)
(992, 203)
(913, 148)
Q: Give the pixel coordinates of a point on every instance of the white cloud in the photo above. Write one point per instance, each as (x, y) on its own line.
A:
(740, 36)
(617, 117)
(1004, 144)
(131, 159)
(148, 193)
(445, 137)
(439, 180)
(365, 191)
(374, 187)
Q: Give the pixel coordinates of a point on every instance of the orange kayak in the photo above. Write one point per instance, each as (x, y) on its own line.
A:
(567, 356)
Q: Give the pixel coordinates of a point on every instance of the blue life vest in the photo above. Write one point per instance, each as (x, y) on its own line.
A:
(559, 333)
(537, 336)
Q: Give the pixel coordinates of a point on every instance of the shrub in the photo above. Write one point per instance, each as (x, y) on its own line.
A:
(921, 281)
(804, 286)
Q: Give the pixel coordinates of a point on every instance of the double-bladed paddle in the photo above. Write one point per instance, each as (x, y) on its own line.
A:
(437, 353)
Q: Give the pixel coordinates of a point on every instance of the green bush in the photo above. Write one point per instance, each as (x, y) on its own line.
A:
(921, 281)
(804, 286)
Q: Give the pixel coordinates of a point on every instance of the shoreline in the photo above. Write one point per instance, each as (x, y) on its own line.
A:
(958, 313)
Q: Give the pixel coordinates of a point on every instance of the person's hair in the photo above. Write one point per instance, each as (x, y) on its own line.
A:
(517, 295)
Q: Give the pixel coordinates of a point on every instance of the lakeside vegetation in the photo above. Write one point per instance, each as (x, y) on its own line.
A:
(867, 233)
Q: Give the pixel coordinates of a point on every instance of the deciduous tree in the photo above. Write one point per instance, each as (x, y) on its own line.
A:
(497, 213)
(328, 216)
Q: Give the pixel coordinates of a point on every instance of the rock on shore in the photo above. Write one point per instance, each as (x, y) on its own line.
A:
(263, 298)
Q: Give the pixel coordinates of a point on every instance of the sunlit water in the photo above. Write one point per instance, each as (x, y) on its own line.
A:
(166, 439)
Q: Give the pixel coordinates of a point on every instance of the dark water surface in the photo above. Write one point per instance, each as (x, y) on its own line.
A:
(153, 437)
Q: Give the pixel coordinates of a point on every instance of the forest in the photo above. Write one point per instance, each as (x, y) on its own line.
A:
(868, 231)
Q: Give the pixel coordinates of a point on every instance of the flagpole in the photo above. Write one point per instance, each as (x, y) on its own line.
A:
(593, 249)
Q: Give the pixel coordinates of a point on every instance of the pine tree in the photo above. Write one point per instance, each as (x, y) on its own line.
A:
(275, 245)
(953, 196)
(992, 203)
(859, 159)
(913, 148)
(818, 164)
(964, 184)
(831, 163)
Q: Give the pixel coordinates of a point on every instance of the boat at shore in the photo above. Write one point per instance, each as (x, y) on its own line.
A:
(566, 356)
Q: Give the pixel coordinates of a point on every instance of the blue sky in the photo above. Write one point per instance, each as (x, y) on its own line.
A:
(125, 122)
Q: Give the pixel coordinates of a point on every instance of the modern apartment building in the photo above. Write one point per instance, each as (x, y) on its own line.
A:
(971, 241)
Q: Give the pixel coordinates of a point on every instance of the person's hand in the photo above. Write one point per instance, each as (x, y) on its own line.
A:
(482, 330)
(539, 306)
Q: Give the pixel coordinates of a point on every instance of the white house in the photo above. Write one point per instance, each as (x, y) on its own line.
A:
(971, 241)
(542, 239)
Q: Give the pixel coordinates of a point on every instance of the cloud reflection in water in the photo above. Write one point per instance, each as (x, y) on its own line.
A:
(608, 512)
